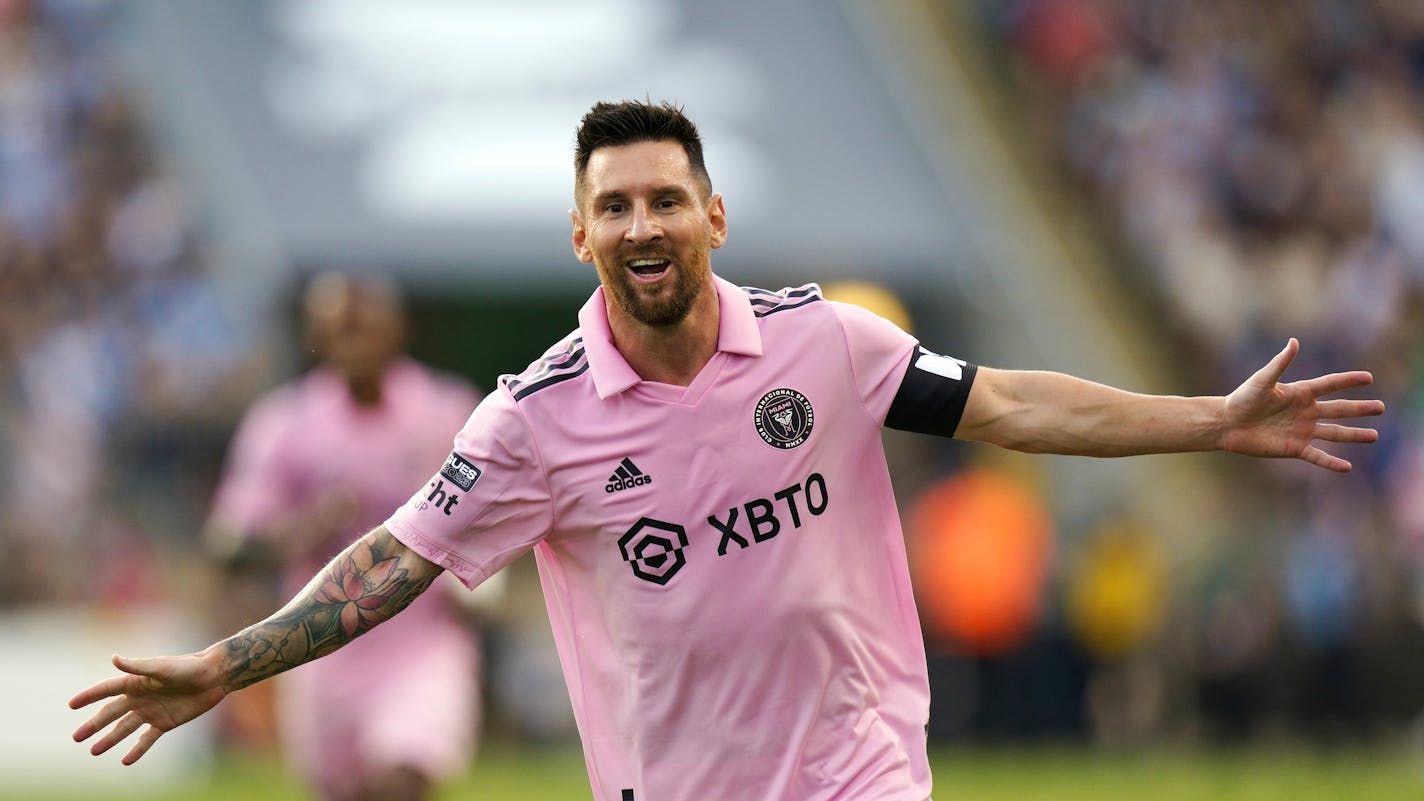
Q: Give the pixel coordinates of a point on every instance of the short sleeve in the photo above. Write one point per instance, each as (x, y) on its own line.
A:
(254, 489)
(903, 385)
(488, 504)
(879, 353)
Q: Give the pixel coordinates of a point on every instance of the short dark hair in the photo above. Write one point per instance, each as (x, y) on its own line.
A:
(631, 121)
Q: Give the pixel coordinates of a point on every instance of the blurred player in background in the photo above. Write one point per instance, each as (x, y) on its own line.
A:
(313, 463)
(700, 473)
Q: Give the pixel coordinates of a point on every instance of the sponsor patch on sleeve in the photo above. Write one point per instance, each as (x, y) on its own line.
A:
(461, 472)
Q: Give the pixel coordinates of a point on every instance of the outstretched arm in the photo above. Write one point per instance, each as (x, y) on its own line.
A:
(1042, 412)
(368, 583)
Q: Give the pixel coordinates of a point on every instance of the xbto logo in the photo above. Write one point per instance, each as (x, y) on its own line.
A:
(761, 519)
(653, 548)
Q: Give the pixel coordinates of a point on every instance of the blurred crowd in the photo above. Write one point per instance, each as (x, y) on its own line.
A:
(1261, 165)
(113, 340)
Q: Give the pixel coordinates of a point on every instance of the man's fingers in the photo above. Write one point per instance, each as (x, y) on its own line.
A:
(1320, 458)
(104, 689)
(139, 667)
(1276, 367)
(1340, 409)
(1337, 433)
(110, 712)
(127, 725)
(1326, 384)
(145, 742)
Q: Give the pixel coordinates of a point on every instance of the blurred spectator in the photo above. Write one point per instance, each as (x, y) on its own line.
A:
(315, 463)
(1265, 163)
(39, 96)
(107, 319)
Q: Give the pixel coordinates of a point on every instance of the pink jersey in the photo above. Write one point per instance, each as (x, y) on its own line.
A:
(369, 702)
(723, 563)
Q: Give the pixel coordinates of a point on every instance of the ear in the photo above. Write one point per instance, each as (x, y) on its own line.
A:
(580, 238)
(717, 218)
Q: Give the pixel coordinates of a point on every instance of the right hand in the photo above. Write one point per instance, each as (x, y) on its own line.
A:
(163, 692)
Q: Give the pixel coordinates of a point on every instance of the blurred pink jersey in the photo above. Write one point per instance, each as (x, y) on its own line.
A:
(722, 563)
(405, 692)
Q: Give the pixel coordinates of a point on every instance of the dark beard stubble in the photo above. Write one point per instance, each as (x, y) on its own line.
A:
(656, 313)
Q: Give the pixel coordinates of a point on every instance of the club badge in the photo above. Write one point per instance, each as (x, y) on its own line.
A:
(784, 418)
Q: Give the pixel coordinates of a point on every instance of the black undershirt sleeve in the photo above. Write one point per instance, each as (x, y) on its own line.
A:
(932, 394)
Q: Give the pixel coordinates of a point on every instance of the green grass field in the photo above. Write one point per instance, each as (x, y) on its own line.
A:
(977, 774)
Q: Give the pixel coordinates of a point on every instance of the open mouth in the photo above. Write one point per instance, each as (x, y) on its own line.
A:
(649, 269)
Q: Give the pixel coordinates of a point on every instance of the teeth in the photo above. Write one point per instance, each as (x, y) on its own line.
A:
(645, 262)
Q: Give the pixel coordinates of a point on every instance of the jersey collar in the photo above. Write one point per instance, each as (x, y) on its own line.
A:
(737, 333)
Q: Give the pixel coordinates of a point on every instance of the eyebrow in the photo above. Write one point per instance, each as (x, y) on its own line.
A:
(616, 194)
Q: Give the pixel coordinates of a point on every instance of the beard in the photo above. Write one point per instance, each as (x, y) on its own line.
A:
(664, 306)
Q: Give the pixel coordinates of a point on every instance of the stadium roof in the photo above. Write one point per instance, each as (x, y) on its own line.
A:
(437, 135)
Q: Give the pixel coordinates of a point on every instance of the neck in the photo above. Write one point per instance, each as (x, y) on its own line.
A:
(669, 354)
(366, 391)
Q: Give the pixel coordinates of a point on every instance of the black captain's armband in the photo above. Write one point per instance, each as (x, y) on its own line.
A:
(932, 394)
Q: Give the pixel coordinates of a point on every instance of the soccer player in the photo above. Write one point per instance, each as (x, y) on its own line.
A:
(313, 464)
(698, 470)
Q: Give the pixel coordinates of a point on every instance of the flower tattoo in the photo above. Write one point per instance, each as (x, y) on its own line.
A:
(361, 586)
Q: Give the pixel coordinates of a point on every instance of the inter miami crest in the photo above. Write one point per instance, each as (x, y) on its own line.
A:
(784, 418)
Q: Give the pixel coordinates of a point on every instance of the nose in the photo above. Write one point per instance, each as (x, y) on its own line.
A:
(643, 225)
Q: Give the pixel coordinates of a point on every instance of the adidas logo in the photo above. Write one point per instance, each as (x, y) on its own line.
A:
(627, 476)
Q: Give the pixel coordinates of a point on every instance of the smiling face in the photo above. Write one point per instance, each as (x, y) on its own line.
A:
(648, 223)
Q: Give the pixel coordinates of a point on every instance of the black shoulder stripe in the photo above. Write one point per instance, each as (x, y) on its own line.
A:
(772, 298)
(785, 306)
(524, 391)
(548, 366)
(765, 301)
(569, 361)
(516, 384)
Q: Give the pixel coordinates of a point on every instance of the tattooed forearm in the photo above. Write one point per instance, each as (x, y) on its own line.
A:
(368, 583)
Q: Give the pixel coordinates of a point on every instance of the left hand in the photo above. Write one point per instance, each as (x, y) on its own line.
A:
(1267, 418)
(163, 692)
